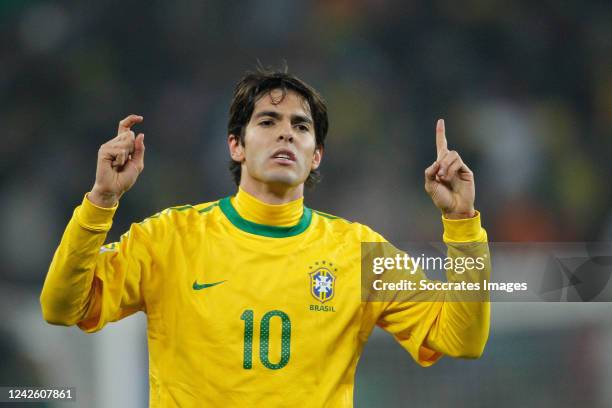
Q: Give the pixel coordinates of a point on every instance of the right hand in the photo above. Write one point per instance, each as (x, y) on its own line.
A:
(120, 162)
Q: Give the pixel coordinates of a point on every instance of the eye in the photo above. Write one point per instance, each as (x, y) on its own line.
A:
(303, 128)
(266, 123)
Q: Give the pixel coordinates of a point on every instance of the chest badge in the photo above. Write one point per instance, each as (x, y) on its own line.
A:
(323, 281)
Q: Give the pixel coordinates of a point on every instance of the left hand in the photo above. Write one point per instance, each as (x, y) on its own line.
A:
(449, 181)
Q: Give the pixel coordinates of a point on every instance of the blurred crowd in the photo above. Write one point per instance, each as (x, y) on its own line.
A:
(525, 89)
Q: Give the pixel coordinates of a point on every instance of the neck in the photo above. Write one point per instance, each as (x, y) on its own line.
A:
(255, 210)
(271, 193)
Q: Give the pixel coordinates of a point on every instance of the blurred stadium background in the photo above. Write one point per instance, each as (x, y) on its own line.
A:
(526, 91)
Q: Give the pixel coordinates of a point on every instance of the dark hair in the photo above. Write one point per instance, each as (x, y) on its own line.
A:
(252, 87)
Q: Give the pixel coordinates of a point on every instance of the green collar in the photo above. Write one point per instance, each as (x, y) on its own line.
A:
(271, 231)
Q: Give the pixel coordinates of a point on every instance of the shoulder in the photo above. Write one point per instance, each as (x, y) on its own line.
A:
(178, 216)
(345, 228)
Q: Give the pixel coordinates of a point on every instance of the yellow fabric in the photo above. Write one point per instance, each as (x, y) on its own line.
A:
(283, 215)
(95, 218)
(446, 325)
(198, 338)
(464, 230)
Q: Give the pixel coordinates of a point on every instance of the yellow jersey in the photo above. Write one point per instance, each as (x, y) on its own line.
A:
(248, 304)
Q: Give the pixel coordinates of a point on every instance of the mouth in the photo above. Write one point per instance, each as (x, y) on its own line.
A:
(283, 156)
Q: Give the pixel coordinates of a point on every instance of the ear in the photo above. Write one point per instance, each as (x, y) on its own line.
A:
(236, 148)
(317, 157)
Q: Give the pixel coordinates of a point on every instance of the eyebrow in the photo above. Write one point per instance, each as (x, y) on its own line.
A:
(278, 116)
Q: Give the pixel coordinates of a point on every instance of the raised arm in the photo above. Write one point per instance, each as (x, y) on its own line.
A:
(87, 283)
(453, 323)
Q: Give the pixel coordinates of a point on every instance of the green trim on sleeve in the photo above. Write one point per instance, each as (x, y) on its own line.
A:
(331, 217)
(207, 209)
(181, 208)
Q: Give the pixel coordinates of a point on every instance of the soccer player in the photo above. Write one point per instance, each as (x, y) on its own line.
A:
(254, 299)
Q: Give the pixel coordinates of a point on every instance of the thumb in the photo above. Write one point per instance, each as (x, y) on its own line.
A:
(430, 177)
(430, 172)
(139, 150)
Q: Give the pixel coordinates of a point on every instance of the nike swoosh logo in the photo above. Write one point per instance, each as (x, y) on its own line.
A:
(197, 286)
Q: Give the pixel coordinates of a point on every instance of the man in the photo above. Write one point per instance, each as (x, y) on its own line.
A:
(254, 300)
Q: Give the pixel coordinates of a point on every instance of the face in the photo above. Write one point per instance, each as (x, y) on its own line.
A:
(279, 142)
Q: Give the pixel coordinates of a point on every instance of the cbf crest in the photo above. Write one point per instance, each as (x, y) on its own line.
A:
(323, 281)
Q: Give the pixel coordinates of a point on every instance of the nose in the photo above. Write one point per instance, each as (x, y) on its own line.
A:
(288, 138)
(286, 133)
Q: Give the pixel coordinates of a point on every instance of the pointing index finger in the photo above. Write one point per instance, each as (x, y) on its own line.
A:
(128, 122)
(441, 145)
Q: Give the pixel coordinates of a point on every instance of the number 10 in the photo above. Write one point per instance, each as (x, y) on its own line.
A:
(264, 337)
